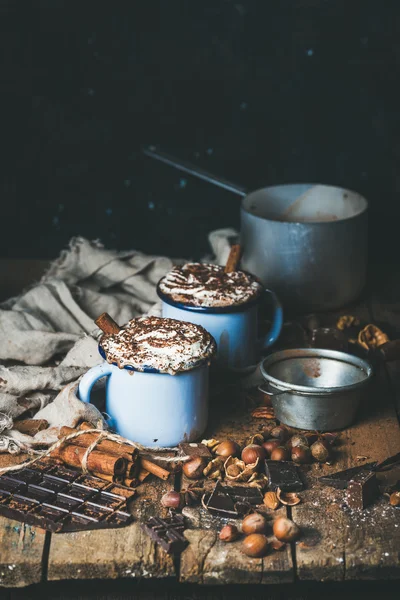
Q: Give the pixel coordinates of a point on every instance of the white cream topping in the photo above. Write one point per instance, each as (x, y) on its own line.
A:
(166, 345)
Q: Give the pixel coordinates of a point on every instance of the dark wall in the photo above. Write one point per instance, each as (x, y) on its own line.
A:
(263, 92)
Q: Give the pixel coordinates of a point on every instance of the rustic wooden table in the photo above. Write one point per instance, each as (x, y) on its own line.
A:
(336, 545)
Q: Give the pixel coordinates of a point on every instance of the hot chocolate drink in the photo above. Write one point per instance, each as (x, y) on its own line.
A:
(197, 284)
(165, 345)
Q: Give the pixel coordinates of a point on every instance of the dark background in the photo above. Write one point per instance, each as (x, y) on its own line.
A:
(260, 91)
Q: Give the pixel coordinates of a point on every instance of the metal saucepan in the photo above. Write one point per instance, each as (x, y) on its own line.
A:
(306, 242)
(319, 389)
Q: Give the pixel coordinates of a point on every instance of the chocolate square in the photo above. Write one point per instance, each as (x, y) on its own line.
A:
(284, 475)
(192, 449)
(362, 491)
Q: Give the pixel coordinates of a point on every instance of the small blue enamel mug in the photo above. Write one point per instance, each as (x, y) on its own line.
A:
(234, 328)
(152, 408)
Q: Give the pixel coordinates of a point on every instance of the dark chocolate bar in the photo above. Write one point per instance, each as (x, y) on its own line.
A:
(232, 501)
(284, 475)
(362, 491)
(193, 449)
(340, 480)
(167, 532)
(59, 499)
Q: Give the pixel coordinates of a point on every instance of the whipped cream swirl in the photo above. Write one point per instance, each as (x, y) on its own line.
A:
(197, 284)
(166, 345)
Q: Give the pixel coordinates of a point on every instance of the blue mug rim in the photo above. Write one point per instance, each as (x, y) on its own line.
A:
(217, 310)
(148, 369)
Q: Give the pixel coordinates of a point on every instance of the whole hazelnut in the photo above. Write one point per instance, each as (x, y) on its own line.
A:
(172, 500)
(229, 533)
(297, 440)
(251, 453)
(320, 450)
(266, 432)
(285, 530)
(254, 523)
(280, 453)
(301, 455)
(280, 433)
(255, 545)
(227, 448)
(395, 499)
(193, 469)
(271, 500)
(270, 445)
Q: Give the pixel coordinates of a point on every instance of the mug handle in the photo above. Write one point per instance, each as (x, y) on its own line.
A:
(90, 378)
(277, 321)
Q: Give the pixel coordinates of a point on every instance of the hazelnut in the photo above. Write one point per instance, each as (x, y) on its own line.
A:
(320, 450)
(395, 499)
(255, 545)
(297, 440)
(227, 448)
(280, 433)
(254, 523)
(193, 469)
(229, 533)
(251, 453)
(285, 530)
(172, 500)
(271, 500)
(301, 455)
(266, 432)
(257, 439)
(270, 445)
(280, 453)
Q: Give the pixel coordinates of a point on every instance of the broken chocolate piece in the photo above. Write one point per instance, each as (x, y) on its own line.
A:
(59, 499)
(167, 532)
(193, 449)
(284, 475)
(362, 491)
(340, 480)
(232, 501)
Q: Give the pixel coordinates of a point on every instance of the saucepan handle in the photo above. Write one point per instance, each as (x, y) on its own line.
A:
(260, 387)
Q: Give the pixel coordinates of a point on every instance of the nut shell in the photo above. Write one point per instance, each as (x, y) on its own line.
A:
(320, 450)
(255, 545)
(271, 500)
(301, 455)
(395, 499)
(288, 498)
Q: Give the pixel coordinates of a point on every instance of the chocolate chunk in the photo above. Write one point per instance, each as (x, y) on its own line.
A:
(232, 501)
(340, 480)
(284, 475)
(167, 532)
(193, 449)
(362, 491)
(54, 500)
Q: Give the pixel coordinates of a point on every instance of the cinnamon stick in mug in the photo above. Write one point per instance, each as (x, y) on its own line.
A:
(98, 462)
(107, 324)
(233, 258)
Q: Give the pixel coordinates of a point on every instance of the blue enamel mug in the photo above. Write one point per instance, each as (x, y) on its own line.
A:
(152, 408)
(234, 328)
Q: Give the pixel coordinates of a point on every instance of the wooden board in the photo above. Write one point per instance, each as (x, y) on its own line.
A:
(114, 553)
(208, 560)
(21, 552)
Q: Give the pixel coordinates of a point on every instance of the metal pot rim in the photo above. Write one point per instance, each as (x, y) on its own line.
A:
(315, 353)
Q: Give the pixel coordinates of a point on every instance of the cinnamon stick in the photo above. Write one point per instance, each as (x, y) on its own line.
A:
(143, 474)
(30, 426)
(106, 446)
(233, 258)
(154, 469)
(107, 324)
(98, 462)
(102, 476)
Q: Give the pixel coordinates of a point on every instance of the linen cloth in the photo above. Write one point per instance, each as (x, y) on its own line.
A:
(48, 338)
